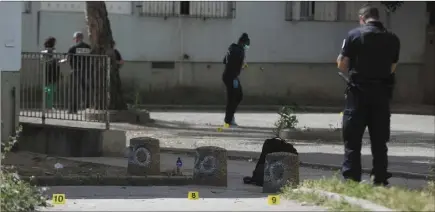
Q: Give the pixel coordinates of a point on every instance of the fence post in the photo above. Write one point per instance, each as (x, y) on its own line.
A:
(107, 93)
(41, 57)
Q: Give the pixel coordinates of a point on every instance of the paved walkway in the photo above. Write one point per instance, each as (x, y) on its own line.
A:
(168, 199)
(411, 149)
(236, 197)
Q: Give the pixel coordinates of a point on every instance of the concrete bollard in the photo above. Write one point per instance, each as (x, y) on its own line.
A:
(280, 169)
(144, 156)
(210, 167)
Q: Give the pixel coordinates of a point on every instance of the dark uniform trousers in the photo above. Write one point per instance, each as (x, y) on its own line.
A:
(80, 93)
(234, 97)
(366, 106)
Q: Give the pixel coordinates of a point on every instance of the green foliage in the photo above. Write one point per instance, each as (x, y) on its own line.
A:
(287, 119)
(392, 6)
(17, 195)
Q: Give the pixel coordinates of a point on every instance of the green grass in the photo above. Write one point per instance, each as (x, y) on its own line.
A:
(397, 198)
(319, 200)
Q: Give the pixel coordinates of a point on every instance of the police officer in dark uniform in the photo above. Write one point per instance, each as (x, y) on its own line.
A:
(370, 54)
(234, 63)
(80, 62)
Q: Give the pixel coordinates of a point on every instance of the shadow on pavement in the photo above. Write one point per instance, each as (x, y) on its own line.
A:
(409, 164)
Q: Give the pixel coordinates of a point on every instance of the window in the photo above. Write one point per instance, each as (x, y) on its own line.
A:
(185, 8)
(120, 7)
(196, 9)
(311, 11)
(157, 8)
(27, 6)
(349, 10)
(307, 10)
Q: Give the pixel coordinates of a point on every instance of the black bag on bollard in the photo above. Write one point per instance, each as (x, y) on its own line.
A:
(271, 145)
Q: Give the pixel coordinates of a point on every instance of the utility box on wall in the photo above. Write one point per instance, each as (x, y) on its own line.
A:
(10, 65)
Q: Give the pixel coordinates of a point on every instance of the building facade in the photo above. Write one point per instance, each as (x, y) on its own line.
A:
(174, 50)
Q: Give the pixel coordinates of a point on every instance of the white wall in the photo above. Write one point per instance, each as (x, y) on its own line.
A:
(272, 38)
(10, 36)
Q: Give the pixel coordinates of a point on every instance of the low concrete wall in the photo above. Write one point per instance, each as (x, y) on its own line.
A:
(61, 141)
(67, 141)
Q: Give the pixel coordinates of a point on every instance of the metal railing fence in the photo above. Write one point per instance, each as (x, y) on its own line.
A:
(65, 86)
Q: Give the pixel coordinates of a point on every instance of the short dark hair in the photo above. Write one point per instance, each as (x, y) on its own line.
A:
(50, 42)
(244, 38)
(369, 11)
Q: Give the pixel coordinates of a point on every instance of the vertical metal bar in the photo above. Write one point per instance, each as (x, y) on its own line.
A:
(23, 108)
(86, 87)
(31, 86)
(13, 115)
(44, 84)
(108, 93)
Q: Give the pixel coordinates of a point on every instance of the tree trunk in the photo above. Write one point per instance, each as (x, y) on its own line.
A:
(100, 36)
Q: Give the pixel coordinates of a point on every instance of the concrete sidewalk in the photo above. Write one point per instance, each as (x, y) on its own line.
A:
(412, 148)
(168, 199)
(236, 197)
(395, 108)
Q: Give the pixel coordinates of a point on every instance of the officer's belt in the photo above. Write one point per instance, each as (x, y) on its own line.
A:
(371, 82)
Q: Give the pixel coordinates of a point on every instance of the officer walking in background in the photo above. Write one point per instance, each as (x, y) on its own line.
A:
(80, 63)
(234, 62)
(370, 54)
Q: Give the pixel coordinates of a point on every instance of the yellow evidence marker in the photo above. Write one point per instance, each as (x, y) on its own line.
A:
(220, 129)
(58, 199)
(193, 195)
(341, 113)
(273, 199)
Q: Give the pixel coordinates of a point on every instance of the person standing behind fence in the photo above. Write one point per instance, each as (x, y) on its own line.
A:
(79, 61)
(52, 70)
(117, 99)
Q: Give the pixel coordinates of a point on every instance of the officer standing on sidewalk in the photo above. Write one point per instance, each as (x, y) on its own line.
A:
(370, 54)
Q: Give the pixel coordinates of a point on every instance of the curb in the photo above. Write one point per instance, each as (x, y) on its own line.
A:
(247, 155)
(108, 180)
(368, 205)
(396, 109)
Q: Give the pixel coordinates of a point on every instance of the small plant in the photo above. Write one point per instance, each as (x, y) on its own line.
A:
(287, 119)
(135, 101)
(17, 195)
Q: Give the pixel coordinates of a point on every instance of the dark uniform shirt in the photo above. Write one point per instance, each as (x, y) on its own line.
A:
(77, 56)
(118, 55)
(52, 68)
(233, 61)
(371, 50)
